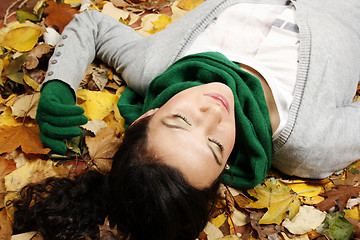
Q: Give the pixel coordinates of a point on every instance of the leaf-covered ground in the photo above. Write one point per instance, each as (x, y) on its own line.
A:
(281, 208)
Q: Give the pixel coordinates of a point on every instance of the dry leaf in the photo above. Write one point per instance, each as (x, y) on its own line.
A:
(34, 172)
(28, 138)
(35, 53)
(265, 232)
(338, 197)
(280, 201)
(6, 167)
(212, 232)
(58, 14)
(102, 148)
(5, 226)
(308, 219)
(94, 125)
(160, 24)
(25, 105)
(22, 38)
(27, 236)
(114, 12)
(189, 5)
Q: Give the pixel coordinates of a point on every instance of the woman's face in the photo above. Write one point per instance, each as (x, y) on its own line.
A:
(195, 132)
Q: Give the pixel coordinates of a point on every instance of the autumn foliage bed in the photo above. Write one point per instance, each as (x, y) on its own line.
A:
(281, 208)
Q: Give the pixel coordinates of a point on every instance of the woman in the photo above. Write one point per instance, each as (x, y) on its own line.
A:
(267, 103)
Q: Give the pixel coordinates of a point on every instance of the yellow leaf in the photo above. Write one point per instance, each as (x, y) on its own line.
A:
(301, 237)
(22, 38)
(97, 105)
(278, 199)
(32, 83)
(189, 5)
(305, 188)
(219, 220)
(353, 213)
(72, 2)
(160, 24)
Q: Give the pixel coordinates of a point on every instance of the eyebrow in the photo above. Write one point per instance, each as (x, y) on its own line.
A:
(179, 127)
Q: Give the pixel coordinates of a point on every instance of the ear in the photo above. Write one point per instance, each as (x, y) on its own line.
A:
(148, 113)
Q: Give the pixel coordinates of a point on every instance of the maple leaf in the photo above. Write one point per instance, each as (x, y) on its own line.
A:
(58, 14)
(28, 138)
(278, 199)
(264, 231)
(351, 177)
(338, 197)
(337, 227)
(102, 148)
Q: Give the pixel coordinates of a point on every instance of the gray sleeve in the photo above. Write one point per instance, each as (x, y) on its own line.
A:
(93, 35)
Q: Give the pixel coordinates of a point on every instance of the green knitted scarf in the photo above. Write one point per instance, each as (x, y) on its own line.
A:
(251, 156)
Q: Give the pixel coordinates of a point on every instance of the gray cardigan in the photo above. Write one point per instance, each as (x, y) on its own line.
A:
(322, 134)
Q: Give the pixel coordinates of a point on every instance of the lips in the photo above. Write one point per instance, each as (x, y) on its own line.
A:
(221, 99)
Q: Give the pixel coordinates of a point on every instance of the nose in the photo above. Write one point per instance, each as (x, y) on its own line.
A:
(211, 113)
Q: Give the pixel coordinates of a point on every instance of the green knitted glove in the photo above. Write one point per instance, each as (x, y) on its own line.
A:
(58, 116)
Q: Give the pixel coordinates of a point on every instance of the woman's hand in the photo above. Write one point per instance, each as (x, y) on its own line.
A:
(57, 116)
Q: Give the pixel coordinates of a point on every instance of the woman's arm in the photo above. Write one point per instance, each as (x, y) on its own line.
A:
(92, 34)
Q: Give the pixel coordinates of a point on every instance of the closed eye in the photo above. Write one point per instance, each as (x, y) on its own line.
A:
(182, 118)
(221, 147)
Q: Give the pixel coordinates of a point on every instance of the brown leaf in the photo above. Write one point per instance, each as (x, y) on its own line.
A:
(6, 167)
(264, 231)
(5, 226)
(28, 138)
(338, 197)
(37, 52)
(58, 14)
(351, 178)
(108, 233)
(102, 148)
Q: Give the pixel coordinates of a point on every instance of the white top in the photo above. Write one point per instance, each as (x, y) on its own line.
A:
(252, 34)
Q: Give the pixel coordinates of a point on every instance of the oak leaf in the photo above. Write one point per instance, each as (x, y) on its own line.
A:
(102, 148)
(338, 197)
(58, 14)
(280, 201)
(28, 138)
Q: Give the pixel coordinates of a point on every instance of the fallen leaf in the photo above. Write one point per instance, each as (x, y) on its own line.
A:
(302, 237)
(280, 201)
(34, 172)
(6, 167)
(102, 148)
(353, 213)
(58, 14)
(5, 226)
(338, 197)
(265, 232)
(160, 24)
(212, 232)
(308, 219)
(337, 227)
(97, 105)
(94, 125)
(189, 5)
(114, 12)
(22, 38)
(351, 178)
(36, 53)
(26, 105)
(28, 138)
(27, 236)
(305, 188)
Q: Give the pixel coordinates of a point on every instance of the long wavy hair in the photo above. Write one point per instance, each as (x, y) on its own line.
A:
(142, 197)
